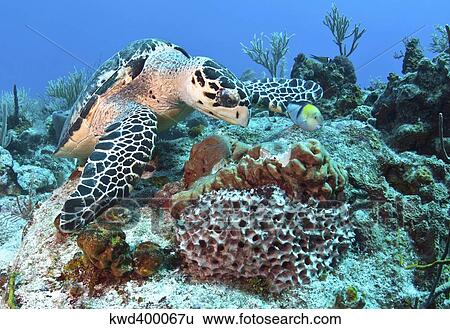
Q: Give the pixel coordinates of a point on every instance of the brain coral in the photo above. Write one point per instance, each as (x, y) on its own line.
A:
(303, 172)
(231, 234)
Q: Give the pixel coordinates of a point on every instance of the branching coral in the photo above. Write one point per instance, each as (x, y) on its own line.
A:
(430, 265)
(248, 75)
(273, 59)
(68, 88)
(339, 26)
(22, 110)
(5, 134)
(25, 208)
(440, 40)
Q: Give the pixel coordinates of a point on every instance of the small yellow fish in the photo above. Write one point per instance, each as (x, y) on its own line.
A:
(305, 115)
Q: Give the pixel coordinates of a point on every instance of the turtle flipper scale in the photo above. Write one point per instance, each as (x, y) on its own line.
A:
(113, 168)
(276, 94)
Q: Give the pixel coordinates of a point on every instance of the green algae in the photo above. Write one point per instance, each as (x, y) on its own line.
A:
(11, 301)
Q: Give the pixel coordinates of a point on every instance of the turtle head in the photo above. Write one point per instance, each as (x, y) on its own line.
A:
(214, 90)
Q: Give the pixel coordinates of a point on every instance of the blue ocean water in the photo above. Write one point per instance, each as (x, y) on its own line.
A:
(43, 40)
(328, 193)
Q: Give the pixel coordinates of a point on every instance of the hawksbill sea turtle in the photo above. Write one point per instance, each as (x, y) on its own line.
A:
(145, 88)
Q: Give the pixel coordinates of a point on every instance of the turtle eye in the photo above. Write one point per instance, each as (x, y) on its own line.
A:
(226, 99)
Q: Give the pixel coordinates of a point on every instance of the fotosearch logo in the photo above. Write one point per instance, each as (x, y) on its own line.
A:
(157, 210)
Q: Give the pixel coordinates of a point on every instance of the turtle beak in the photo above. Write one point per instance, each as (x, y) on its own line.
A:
(239, 115)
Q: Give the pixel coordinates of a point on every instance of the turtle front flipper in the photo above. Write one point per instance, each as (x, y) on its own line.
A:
(115, 166)
(276, 94)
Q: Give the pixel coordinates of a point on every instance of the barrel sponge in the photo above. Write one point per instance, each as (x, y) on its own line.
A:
(244, 234)
(305, 171)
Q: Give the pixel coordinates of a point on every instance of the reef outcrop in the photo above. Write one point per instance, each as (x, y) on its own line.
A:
(407, 110)
(252, 214)
(106, 249)
(373, 153)
(305, 171)
(338, 80)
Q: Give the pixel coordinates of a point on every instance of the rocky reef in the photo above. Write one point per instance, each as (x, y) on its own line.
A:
(27, 165)
(338, 79)
(28, 170)
(372, 264)
(354, 215)
(407, 110)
